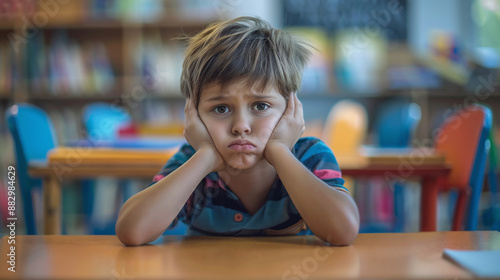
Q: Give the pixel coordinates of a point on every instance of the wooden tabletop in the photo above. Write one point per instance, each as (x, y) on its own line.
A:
(382, 255)
(84, 162)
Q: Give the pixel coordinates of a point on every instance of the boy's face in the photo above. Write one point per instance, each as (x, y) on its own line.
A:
(240, 120)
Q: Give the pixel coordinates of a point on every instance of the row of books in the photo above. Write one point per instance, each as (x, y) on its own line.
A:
(132, 10)
(65, 67)
(9, 8)
(161, 113)
(154, 10)
(159, 64)
(9, 70)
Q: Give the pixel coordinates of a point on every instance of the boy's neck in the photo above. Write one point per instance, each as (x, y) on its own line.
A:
(252, 185)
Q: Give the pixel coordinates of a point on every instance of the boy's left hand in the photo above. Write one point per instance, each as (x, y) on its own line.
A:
(289, 128)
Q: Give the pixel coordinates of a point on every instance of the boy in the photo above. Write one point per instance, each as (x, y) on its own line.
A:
(246, 171)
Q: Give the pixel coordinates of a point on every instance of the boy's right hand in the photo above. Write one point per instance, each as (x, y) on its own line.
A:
(197, 134)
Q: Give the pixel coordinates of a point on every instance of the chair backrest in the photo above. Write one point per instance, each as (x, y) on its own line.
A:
(396, 124)
(463, 139)
(33, 135)
(103, 120)
(345, 127)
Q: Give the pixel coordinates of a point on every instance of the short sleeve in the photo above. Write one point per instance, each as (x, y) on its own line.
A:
(319, 158)
(177, 160)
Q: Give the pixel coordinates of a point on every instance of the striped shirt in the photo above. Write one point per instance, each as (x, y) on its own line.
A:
(213, 209)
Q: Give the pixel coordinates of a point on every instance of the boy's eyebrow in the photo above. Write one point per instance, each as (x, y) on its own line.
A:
(218, 97)
(226, 96)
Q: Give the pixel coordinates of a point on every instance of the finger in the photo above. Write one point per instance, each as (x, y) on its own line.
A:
(192, 111)
(291, 106)
(186, 107)
(299, 109)
(186, 113)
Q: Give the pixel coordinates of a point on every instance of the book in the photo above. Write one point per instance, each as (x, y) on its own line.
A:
(482, 264)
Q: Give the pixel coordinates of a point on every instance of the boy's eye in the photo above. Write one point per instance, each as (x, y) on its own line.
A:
(220, 109)
(260, 106)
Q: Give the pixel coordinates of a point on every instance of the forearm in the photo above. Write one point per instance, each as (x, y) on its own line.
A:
(146, 215)
(331, 214)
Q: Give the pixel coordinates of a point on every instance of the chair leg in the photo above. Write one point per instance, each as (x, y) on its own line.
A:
(428, 204)
(52, 205)
(458, 216)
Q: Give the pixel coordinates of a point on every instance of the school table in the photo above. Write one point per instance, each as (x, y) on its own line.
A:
(84, 162)
(371, 256)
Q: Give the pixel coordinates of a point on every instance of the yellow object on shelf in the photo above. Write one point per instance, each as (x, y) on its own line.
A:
(169, 129)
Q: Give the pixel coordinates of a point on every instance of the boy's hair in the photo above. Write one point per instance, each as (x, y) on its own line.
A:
(245, 48)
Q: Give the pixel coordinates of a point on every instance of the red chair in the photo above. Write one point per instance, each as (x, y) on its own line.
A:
(463, 139)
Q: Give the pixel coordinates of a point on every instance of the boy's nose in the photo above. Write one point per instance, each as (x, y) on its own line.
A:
(241, 125)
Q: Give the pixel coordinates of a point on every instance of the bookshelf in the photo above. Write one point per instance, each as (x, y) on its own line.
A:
(72, 53)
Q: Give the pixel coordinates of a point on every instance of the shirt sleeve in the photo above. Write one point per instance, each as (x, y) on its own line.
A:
(319, 158)
(177, 160)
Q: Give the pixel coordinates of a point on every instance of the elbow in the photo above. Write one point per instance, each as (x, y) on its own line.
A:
(131, 235)
(342, 233)
(129, 239)
(344, 238)
(128, 236)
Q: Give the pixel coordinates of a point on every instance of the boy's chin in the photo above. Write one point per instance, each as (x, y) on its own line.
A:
(241, 163)
(239, 166)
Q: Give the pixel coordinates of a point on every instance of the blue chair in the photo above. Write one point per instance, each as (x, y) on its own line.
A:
(491, 215)
(33, 135)
(103, 120)
(395, 126)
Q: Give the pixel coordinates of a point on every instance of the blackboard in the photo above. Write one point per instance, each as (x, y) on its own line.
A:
(385, 17)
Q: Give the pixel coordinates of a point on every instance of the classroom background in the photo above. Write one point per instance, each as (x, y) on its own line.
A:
(430, 58)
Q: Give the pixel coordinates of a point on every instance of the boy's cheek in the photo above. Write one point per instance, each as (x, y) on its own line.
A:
(265, 134)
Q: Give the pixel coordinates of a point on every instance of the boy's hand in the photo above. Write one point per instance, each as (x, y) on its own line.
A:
(289, 128)
(197, 134)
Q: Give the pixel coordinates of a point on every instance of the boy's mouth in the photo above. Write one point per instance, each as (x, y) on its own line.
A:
(242, 145)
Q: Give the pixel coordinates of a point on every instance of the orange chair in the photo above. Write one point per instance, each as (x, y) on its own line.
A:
(463, 139)
(344, 132)
(345, 128)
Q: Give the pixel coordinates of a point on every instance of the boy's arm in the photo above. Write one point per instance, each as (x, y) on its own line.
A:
(146, 215)
(330, 213)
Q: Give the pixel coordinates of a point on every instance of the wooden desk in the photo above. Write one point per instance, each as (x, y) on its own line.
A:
(372, 256)
(66, 163)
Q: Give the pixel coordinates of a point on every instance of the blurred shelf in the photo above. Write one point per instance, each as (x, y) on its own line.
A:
(463, 95)
(87, 98)
(111, 24)
(170, 96)
(97, 24)
(4, 98)
(356, 94)
(88, 24)
(172, 22)
(428, 92)
(72, 98)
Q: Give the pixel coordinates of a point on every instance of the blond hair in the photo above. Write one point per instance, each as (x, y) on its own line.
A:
(245, 48)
